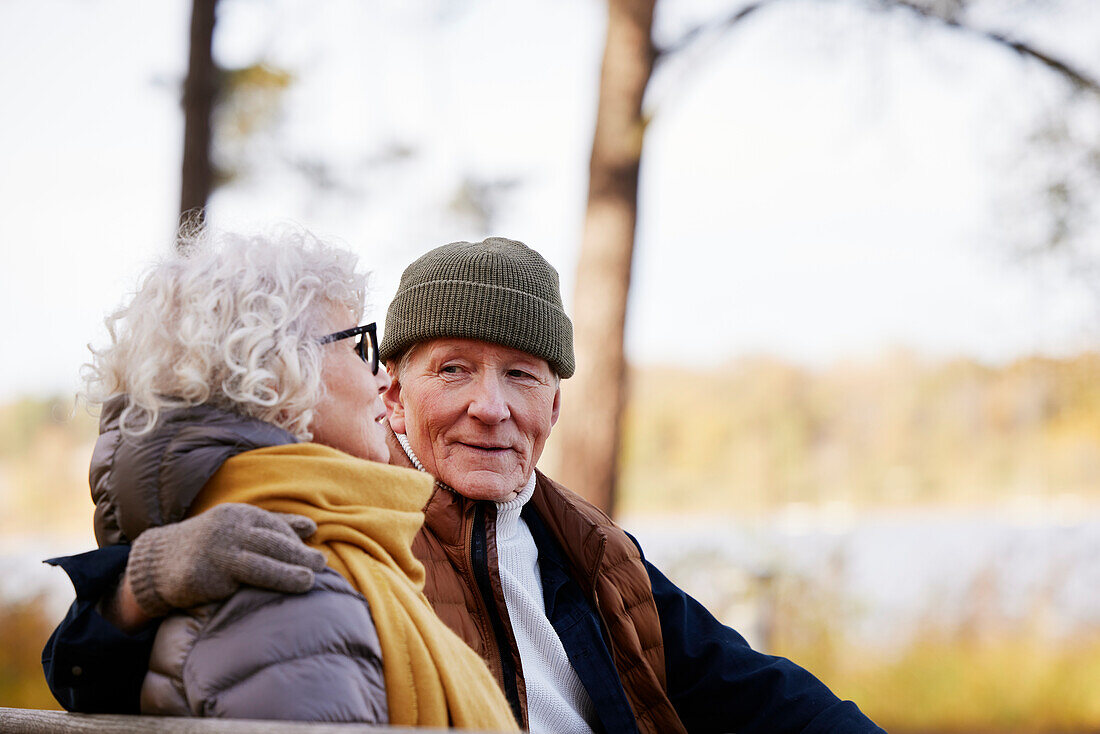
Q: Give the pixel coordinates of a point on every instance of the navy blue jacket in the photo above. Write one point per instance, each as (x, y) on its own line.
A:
(715, 680)
(91, 666)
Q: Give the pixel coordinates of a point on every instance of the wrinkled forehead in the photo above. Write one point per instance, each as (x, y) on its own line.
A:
(477, 350)
(469, 349)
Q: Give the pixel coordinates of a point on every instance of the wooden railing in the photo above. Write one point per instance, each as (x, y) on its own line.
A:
(35, 721)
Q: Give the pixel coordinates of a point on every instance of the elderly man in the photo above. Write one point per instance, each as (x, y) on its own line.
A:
(582, 633)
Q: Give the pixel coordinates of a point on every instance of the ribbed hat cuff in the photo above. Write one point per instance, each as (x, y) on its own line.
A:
(472, 310)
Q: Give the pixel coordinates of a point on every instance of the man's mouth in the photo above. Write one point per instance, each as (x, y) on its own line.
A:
(486, 448)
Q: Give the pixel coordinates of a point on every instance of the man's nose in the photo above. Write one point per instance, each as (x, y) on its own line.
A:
(488, 403)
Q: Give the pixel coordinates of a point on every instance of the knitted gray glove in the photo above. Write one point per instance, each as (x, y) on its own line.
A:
(208, 557)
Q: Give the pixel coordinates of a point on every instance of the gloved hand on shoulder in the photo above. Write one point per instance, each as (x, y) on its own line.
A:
(208, 557)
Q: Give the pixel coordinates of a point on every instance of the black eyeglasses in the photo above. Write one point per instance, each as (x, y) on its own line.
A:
(366, 347)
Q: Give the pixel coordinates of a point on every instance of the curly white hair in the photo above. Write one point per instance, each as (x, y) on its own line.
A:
(231, 321)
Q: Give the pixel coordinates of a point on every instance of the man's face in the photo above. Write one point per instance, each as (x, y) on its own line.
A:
(476, 414)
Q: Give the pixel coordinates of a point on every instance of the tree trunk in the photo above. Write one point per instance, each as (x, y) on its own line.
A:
(199, 92)
(591, 423)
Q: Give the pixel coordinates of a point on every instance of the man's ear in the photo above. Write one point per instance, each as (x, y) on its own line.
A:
(395, 408)
(557, 407)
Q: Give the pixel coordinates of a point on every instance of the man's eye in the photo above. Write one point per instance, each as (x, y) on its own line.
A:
(520, 374)
(450, 369)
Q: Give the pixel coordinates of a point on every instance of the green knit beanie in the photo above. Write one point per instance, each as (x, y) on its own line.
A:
(498, 291)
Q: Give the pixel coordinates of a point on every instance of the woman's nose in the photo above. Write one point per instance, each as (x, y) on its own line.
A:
(383, 379)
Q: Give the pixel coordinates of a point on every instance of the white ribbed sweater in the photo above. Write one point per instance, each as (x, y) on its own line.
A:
(556, 700)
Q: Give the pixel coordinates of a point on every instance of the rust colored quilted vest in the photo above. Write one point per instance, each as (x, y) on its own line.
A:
(604, 561)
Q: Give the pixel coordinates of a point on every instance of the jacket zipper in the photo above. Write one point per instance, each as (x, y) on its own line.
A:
(596, 595)
(479, 561)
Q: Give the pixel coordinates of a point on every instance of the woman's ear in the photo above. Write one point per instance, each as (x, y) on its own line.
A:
(395, 409)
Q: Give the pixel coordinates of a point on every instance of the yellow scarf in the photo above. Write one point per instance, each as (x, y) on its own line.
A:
(367, 514)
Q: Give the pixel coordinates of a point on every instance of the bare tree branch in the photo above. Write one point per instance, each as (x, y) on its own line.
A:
(711, 29)
(720, 26)
(1079, 78)
(946, 14)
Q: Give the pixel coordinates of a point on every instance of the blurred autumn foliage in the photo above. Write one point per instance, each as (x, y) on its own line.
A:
(981, 675)
(752, 435)
(44, 451)
(759, 434)
(24, 628)
(45, 446)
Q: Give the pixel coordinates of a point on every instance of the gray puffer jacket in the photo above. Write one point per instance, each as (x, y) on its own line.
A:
(258, 654)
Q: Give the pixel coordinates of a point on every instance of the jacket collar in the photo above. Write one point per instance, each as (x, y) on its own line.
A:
(143, 481)
(577, 525)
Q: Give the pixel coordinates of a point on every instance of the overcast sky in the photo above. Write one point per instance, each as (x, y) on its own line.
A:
(821, 184)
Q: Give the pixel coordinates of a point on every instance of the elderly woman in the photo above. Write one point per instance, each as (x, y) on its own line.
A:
(237, 378)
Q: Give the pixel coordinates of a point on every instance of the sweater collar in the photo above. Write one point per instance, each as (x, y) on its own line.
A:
(404, 441)
(508, 513)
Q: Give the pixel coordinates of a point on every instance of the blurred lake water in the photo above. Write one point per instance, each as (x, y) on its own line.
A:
(24, 576)
(887, 575)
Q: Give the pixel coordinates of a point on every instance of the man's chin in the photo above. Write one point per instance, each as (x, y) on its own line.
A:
(476, 485)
